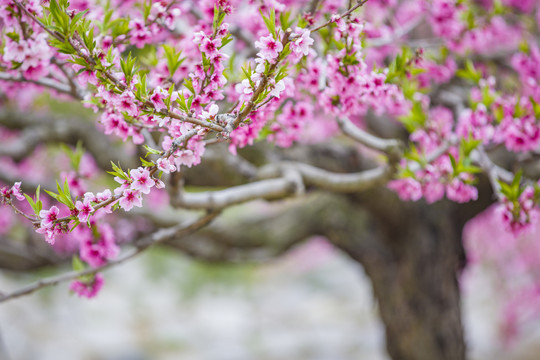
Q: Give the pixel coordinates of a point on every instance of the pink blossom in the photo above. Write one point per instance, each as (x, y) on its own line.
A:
(15, 190)
(87, 288)
(85, 209)
(211, 113)
(103, 196)
(407, 188)
(165, 165)
(48, 217)
(210, 47)
(270, 48)
(157, 98)
(477, 124)
(130, 198)
(126, 103)
(142, 181)
(97, 250)
(277, 88)
(302, 42)
(461, 192)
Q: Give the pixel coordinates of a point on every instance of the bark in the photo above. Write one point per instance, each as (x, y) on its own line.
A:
(413, 254)
(413, 273)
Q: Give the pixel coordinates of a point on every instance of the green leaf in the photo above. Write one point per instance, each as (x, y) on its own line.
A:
(173, 59)
(285, 21)
(77, 264)
(146, 163)
(32, 204)
(270, 22)
(469, 72)
(152, 151)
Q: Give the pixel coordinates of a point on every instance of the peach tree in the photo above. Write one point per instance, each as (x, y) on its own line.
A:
(391, 124)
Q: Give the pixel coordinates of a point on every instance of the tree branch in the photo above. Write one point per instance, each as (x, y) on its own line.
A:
(45, 82)
(392, 147)
(141, 245)
(44, 129)
(284, 180)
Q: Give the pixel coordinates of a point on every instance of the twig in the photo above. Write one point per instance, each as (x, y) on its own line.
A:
(262, 86)
(28, 13)
(142, 245)
(397, 34)
(62, 88)
(345, 14)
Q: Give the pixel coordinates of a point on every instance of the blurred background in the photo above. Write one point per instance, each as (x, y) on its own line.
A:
(313, 303)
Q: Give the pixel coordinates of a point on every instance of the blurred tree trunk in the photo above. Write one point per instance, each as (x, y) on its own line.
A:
(413, 254)
(413, 272)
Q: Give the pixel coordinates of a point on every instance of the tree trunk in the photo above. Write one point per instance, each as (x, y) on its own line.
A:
(412, 252)
(413, 274)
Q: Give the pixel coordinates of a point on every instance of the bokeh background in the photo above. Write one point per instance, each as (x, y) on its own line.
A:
(314, 303)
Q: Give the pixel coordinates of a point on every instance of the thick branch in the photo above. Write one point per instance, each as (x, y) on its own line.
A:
(45, 82)
(264, 189)
(45, 129)
(392, 147)
(285, 186)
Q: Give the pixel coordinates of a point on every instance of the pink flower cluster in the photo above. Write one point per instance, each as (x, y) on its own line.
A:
(88, 288)
(434, 179)
(520, 215)
(352, 89)
(6, 193)
(97, 245)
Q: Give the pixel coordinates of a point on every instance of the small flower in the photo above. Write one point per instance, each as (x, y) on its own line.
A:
(210, 47)
(16, 191)
(130, 198)
(48, 217)
(126, 103)
(160, 184)
(157, 98)
(87, 288)
(104, 196)
(211, 113)
(142, 181)
(85, 209)
(302, 43)
(278, 88)
(165, 166)
(270, 48)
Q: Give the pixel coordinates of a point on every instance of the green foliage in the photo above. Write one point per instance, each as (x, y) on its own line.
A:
(128, 68)
(63, 196)
(463, 164)
(35, 203)
(151, 151)
(514, 190)
(469, 72)
(77, 264)
(285, 20)
(416, 117)
(270, 22)
(146, 163)
(402, 66)
(142, 90)
(173, 59)
(219, 16)
(75, 156)
(185, 106)
(117, 171)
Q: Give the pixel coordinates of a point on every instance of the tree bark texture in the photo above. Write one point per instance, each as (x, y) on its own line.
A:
(413, 272)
